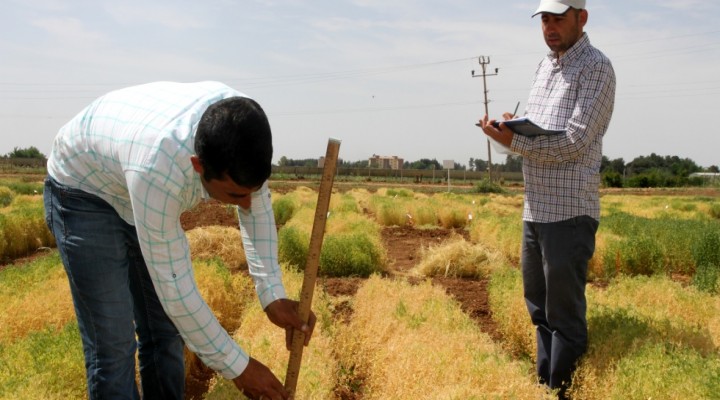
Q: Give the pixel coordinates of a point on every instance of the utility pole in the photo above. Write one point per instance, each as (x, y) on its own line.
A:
(484, 61)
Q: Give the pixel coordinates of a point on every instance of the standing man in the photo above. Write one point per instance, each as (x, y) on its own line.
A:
(119, 175)
(574, 91)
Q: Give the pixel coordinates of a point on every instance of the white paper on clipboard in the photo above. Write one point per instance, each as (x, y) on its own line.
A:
(501, 148)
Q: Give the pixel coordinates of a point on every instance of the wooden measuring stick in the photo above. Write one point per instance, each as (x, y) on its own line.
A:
(313, 261)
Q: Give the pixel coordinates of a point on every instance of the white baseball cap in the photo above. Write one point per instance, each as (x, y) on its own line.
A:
(558, 6)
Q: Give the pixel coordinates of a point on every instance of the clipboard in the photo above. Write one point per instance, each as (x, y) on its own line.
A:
(525, 127)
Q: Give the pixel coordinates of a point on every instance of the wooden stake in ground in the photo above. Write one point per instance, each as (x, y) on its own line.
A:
(313, 261)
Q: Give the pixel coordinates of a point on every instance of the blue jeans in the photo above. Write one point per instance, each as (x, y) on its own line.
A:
(117, 308)
(554, 262)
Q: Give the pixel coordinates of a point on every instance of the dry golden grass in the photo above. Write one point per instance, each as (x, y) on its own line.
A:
(595, 265)
(266, 343)
(500, 233)
(37, 305)
(414, 342)
(362, 196)
(684, 314)
(649, 337)
(343, 202)
(678, 207)
(453, 211)
(423, 213)
(307, 197)
(227, 295)
(457, 258)
(503, 205)
(22, 227)
(47, 364)
(39, 333)
(389, 211)
(510, 313)
(218, 242)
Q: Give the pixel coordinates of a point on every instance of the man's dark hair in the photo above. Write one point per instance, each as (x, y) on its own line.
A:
(233, 138)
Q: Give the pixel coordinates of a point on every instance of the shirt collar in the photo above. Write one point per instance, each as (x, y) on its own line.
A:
(572, 53)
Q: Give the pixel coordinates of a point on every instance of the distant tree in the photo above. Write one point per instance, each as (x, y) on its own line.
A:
(513, 163)
(30, 152)
(354, 164)
(673, 165)
(471, 164)
(480, 165)
(713, 168)
(612, 179)
(288, 162)
(617, 165)
(425, 163)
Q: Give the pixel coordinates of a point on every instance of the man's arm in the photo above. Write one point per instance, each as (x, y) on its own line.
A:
(167, 255)
(589, 117)
(260, 241)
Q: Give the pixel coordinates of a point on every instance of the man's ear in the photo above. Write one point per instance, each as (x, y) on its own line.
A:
(197, 164)
(583, 17)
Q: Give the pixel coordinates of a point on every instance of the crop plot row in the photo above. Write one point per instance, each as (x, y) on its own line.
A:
(653, 312)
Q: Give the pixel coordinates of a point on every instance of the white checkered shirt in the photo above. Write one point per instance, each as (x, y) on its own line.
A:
(575, 93)
(132, 148)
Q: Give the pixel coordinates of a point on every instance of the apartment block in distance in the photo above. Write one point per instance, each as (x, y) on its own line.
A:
(381, 162)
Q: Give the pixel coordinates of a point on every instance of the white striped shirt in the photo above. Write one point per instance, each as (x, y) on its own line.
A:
(132, 148)
(575, 93)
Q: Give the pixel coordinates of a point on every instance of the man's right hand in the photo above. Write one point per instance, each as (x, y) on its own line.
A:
(257, 382)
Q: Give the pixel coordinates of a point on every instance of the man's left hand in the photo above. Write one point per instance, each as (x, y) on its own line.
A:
(284, 313)
(502, 134)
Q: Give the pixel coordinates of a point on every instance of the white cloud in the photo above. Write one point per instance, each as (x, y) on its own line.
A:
(150, 13)
(68, 30)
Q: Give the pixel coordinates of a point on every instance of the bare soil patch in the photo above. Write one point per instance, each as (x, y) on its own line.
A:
(403, 245)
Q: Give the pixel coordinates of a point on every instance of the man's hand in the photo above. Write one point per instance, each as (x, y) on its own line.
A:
(502, 134)
(257, 382)
(284, 313)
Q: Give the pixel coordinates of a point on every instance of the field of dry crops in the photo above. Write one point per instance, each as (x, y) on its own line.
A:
(443, 318)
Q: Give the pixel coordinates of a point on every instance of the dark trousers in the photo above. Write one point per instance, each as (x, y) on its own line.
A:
(117, 308)
(554, 261)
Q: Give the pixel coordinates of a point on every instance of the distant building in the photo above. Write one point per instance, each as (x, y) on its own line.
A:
(382, 162)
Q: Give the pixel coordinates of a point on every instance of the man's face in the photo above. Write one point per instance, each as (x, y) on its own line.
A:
(227, 191)
(562, 31)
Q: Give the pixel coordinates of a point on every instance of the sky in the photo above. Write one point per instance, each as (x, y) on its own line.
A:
(385, 77)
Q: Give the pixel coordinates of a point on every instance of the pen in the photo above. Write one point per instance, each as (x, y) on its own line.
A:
(497, 123)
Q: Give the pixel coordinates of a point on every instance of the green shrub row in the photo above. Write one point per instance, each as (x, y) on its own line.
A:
(645, 246)
(342, 254)
(23, 229)
(22, 187)
(6, 196)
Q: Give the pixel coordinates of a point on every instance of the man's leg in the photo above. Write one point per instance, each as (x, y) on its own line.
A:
(92, 245)
(567, 247)
(534, 288)
(162, 368)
